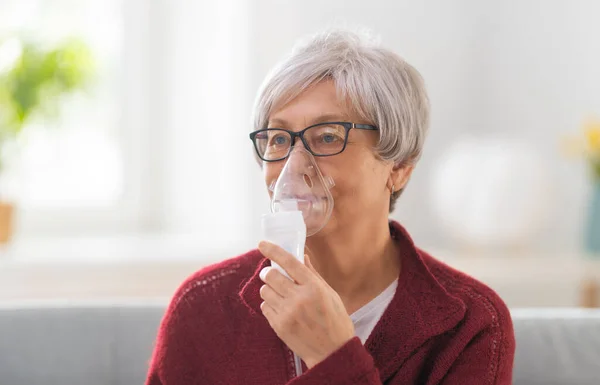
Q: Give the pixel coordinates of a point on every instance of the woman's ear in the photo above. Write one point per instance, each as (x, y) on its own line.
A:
(399, 176)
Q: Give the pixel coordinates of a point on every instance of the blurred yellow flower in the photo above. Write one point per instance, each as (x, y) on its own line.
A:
(586, 146)
(592, 134)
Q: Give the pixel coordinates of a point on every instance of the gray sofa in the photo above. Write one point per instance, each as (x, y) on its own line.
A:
(110, 344)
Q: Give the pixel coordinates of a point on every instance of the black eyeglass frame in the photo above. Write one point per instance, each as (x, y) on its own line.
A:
(300, 134)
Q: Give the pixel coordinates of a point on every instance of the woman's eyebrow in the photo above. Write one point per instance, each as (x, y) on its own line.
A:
(327, 117)
(278, 123)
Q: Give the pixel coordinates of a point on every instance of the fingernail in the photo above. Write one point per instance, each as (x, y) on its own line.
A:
(263, 273)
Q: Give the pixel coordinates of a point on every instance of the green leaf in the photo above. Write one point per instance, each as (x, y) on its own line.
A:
(38, 80)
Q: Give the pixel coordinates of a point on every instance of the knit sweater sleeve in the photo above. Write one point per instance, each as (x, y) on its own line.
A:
(173, 342)
(351, 364)
(487, 359)
(198, 305)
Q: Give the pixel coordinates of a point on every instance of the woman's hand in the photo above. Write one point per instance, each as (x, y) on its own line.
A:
(304, 311)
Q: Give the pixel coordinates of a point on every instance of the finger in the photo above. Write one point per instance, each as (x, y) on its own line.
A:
(271, 297)
(296, 270)
(277, 281)
(268, 312)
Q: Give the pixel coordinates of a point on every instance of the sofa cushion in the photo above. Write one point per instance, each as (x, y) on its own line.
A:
(557, 346)
(92, 343)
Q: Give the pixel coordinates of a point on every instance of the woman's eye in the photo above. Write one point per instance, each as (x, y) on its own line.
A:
(279, 140)
(328, 138)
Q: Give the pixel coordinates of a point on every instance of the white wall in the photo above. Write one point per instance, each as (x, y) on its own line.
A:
(540, 79)
(207, 150)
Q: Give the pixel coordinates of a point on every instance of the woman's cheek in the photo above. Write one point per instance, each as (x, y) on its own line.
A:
(271, 173)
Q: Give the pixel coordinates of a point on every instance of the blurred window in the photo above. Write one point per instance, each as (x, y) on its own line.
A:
(74, 161)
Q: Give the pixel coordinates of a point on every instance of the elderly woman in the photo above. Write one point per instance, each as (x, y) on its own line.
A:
(366, 306)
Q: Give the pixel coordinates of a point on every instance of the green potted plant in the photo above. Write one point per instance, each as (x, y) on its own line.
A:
(33, 79)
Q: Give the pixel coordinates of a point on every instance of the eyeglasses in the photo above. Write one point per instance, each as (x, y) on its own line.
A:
(323, 139)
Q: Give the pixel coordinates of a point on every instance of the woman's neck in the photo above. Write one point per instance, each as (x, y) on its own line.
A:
(358, 262)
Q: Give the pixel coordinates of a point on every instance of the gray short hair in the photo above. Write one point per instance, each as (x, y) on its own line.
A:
(379, 86)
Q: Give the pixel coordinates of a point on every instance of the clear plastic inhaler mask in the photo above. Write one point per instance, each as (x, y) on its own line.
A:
(302, 186)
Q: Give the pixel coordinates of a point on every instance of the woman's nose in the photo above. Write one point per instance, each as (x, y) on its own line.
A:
(299, 161)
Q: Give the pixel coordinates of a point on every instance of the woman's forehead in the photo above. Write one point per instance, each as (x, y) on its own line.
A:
(318, 103)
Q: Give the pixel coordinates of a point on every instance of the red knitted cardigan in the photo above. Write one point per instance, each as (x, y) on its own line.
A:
(441, 327)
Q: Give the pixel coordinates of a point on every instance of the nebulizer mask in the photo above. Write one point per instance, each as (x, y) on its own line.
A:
(301, 203)
(301, 186)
